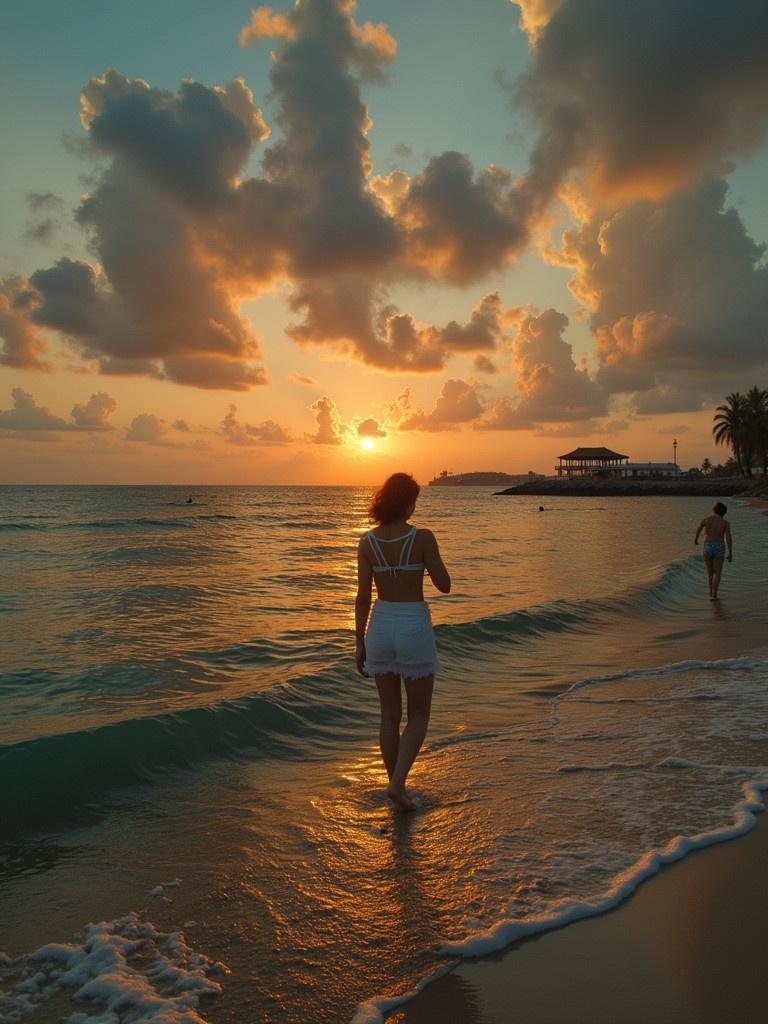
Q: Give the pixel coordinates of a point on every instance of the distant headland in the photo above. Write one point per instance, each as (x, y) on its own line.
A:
(482, 479)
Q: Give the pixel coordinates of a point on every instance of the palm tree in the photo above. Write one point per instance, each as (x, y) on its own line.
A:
(706, 467)
(730, 427)
(757, 424)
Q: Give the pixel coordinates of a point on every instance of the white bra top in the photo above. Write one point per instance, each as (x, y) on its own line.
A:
(403, 564)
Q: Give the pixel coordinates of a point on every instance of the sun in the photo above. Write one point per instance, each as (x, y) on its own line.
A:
(366, 443)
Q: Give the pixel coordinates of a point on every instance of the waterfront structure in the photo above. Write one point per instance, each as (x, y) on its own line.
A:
(650, 470)
(603, 463)
(600, 462)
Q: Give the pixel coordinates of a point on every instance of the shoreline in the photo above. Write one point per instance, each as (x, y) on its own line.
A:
(685, 948)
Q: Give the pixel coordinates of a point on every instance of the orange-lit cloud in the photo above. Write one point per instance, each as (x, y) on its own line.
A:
(180, 236)
(643, 98)
(265, 433)
(381, 336)
(148, 428)
(457, 403)
(370, 428)
(535, 15)
(27, 415)
(678, 296)
(22, 345)
(551, 388)
(330, 428)
(300, 378)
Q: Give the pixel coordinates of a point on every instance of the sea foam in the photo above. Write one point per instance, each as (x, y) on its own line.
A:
(123, 971)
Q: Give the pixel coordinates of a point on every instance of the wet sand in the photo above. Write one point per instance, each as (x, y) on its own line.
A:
(687, 948)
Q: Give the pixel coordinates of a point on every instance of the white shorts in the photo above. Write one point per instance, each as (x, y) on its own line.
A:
(400, 639)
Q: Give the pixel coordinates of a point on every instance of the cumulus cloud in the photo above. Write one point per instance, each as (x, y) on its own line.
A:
(265, 433)
(552, 389)
(370, 428)
(180, 235)
(160, 303)
(27, 415)
(457, 403)
(350, 310)
(148, 428)
(22, 346)
(461, 224)
(330, 429)
(95, 413)
(642, 98)
(678, 295)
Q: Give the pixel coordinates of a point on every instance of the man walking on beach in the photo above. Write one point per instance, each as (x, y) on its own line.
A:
(717, 533)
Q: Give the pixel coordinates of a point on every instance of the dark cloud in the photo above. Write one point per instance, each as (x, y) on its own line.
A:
(461, 224)
(552, 388)
(163, 303)
(27, 415)
(370, 428)
(678, 293)
(265, 433)
(643, 97)
(628, 100)
(324, 151)
(94, 413)
(354, 312)
(148, 428)
(330, 429)
(67, 297)
(457, 403)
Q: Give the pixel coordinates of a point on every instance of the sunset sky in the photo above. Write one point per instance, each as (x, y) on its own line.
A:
(316, 243)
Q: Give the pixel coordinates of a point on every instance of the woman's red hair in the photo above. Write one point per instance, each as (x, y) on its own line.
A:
(393, 499)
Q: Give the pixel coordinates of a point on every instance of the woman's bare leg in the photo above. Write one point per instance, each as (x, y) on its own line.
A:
(391, 702)
(419, 693)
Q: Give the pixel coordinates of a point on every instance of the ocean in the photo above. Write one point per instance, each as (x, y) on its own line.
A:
(192, 819)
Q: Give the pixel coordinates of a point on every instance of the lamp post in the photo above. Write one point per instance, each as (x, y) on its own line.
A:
(674, 451)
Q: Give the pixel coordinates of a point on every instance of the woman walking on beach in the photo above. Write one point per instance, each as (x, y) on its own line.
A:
(399, 644)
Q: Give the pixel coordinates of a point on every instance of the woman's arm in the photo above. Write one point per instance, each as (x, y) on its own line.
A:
(434, 563)
(698, 532)
(362, 605)
(729, 541)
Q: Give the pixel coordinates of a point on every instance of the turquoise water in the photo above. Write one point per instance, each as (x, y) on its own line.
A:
(179, 703)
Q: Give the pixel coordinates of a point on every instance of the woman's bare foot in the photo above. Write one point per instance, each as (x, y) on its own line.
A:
(401, 798)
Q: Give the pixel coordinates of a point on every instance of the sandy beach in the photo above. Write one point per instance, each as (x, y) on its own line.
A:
(687, 948)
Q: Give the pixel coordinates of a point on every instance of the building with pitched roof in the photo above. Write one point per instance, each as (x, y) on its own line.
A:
(599, 462)
(602, 463)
